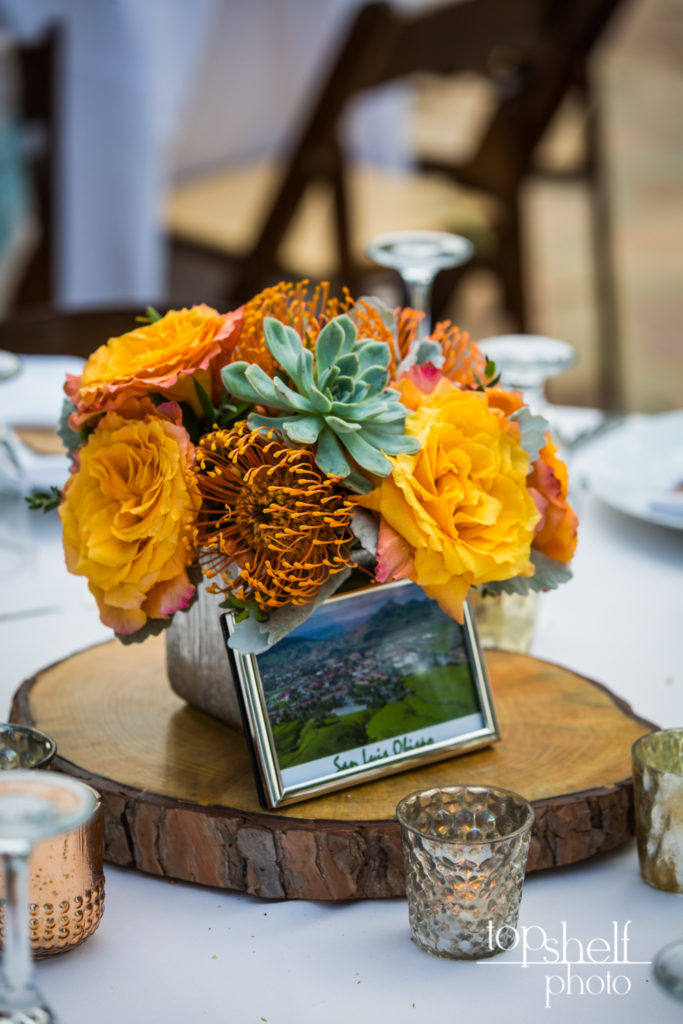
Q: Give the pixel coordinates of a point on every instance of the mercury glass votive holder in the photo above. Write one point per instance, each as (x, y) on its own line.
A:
(23, 747)
(66, 881)
(657, 760)
(465, 850)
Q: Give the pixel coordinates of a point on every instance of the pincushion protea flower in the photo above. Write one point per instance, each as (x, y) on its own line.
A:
(273, 528)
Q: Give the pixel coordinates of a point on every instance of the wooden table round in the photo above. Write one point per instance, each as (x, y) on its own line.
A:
(180, 801)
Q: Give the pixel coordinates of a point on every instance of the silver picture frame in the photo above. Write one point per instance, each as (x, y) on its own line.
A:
(383, 664)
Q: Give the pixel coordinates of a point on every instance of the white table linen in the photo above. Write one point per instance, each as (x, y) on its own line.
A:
(174, 952)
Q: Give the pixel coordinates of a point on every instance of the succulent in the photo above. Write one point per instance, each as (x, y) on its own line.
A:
(338, 399)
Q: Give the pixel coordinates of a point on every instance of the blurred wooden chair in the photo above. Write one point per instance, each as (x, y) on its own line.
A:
(38, 74)
(310, 214)
(43, 330)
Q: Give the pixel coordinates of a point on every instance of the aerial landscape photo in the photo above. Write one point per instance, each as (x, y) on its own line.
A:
(365, 669)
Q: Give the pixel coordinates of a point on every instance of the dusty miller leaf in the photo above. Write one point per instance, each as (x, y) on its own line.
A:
(533, 430)
(548, 575)
(252, 637)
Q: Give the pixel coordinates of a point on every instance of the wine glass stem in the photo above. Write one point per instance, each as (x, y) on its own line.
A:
(420, 297)
(17, 966)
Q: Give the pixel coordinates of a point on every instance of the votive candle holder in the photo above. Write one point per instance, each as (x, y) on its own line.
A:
(66, 877)
(465, 849)
(657, 761)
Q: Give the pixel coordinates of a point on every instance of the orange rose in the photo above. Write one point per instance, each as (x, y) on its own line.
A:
(159, 358)
(459, 512)
(128, 513)
(556, 533)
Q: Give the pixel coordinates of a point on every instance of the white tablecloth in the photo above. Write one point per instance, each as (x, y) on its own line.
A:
(173, 953)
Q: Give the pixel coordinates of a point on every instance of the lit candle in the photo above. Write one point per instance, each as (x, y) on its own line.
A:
(465, 851)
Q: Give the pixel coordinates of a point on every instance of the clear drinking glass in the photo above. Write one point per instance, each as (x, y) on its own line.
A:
(657, 760)
(34, 805)
(465, 851)
(418, 256)
(526, 361)
(9, 364)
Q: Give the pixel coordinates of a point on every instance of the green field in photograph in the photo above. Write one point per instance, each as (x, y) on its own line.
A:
(437, 695)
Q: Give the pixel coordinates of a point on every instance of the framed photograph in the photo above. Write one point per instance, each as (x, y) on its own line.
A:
(373, 682)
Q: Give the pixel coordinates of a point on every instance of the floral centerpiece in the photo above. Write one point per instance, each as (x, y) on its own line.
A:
(282, 449)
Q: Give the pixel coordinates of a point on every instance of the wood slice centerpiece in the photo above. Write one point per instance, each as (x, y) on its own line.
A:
(180, 801)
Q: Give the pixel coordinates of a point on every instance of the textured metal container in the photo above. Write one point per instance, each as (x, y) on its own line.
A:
(197, 663)
(465, 850)
(658, 796)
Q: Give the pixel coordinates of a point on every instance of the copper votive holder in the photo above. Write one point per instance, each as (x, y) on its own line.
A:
(66, 887)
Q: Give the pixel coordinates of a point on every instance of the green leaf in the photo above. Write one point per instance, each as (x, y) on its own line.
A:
(349, 330)
(45, 501)
(191, 422)
(204, 401)
(387, 315)
(348, 365)
(152, 627)
(360, 392)
(425, 351)
(358, 483)
(391, 443)
(548, 575)
(263, 386)
(319, 401)
(71, 439)
(305, 370)
(533, 430)
(330, 345)
(373, 353)
(252, 637)
(285, 346)
(376, 377)
(227, 413)
(269, 422)
(151, 316)
(329, 455)
(304, 429)
(290, 399)
(366, 455)
(365, 527)
(341, 426)
(235, 382)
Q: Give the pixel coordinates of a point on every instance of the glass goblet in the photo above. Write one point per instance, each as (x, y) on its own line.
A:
(526, 361)
(669, 968)
(9, 364)
(34, 805)
(418, 256)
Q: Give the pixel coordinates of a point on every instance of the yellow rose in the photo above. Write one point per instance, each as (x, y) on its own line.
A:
(461, 503)
(127, 514)
(160, 357)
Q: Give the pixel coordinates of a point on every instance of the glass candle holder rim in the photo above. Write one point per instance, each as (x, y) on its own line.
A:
(650, 736)
(89, 798)
(459, 841)
(30, 730)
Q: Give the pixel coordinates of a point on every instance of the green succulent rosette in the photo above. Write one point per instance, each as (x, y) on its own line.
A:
(337, 399)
